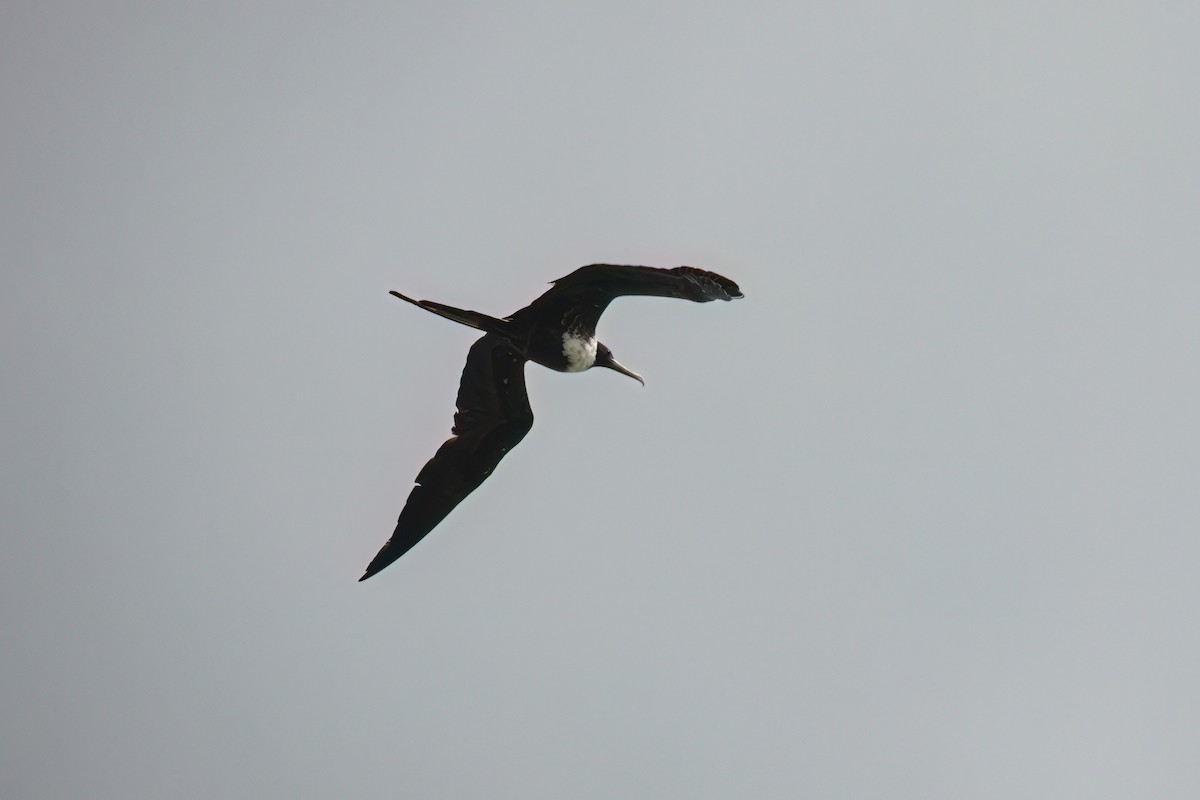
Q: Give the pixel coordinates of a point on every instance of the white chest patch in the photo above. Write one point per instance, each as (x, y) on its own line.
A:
(579, 352)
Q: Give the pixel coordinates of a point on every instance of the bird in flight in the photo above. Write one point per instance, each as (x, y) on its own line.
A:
(557, 330)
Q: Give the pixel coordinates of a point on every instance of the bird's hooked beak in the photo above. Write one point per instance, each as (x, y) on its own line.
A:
(604, 358)
(617, 366)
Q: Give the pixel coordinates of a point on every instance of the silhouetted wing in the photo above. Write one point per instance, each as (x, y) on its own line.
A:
(493, 417)
(586, 292)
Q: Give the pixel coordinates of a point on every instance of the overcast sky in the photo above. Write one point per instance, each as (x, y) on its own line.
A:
(917, 518)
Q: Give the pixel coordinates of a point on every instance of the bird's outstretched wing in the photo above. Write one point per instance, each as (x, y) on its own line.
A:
(586, 292)
(493, 417)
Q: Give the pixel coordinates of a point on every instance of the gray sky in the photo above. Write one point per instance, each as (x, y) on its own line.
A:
(917, 518)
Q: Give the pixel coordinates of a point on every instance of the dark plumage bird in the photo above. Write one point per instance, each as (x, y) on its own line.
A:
(557, 330)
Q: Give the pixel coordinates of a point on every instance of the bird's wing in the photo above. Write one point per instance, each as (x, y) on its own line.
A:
(493, 416)
(586, 292)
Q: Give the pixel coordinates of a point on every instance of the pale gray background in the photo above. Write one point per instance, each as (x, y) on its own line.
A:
(916, 519)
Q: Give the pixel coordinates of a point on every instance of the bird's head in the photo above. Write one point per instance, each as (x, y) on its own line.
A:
(604, 358)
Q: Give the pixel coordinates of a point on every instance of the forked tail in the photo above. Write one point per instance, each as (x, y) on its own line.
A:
(472, 318)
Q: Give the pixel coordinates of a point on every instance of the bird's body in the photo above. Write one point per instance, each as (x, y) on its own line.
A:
(558, 331)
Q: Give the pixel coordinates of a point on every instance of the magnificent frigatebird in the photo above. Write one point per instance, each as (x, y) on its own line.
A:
(557, 330)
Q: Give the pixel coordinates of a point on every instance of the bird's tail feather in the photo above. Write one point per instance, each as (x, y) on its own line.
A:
(472, 318)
